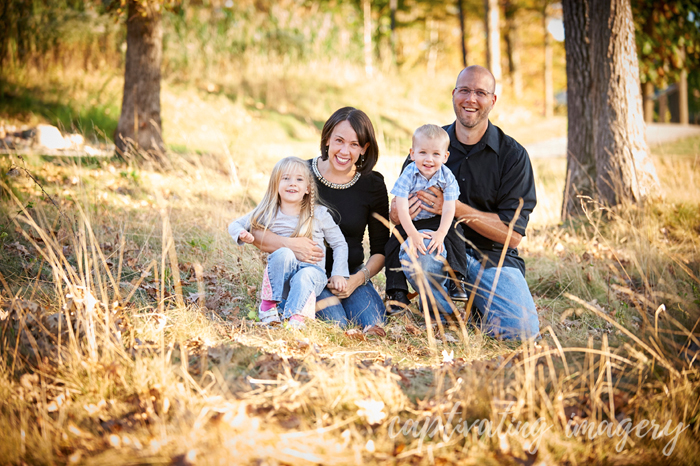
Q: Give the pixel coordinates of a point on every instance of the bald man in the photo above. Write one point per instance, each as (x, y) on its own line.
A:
(494, 174)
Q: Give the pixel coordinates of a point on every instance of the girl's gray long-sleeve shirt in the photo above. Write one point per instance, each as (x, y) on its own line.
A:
(324, 229)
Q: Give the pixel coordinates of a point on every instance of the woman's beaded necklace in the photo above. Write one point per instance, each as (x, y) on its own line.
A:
(314, 166)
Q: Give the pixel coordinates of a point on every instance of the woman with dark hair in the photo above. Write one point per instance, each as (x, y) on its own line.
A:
(357, 198)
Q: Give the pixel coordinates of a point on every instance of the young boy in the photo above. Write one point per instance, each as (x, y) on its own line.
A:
(429, 152)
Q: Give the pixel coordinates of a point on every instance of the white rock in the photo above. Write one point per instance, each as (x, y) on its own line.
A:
(50, 137)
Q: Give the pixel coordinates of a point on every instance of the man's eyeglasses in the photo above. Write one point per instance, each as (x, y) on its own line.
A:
(466, 92)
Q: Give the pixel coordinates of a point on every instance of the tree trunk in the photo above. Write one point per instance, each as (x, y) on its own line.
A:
(648, 97)
(663, 107)
(580, 161)
(493, 41)
(393, 4)
(463, 35)
(625, 172)
(367, 13)
(433, 49)
(513, 50)
(683, 97)
(139, 129)
(548, 80)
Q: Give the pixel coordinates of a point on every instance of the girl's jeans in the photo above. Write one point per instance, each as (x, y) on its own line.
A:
(294, 282)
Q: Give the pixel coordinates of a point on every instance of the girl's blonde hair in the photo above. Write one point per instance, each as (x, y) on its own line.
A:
(264, 214)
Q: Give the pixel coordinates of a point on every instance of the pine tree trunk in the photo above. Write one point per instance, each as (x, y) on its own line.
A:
(683, 97)
(625, 172)
(463, 35)
(393, 4)
(580, 161)
(513, 45)
(493, 41)
(648, 98)
(548, 80)
(367, 13)
(139, 129)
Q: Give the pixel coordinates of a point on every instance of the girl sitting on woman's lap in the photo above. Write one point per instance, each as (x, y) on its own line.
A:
(290, 208)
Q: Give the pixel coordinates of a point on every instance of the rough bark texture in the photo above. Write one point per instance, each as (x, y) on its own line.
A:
(493, 33)
(625, 172)
(580, 161)
(139, 129)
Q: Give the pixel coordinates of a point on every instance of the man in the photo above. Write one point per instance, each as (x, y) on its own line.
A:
(494, 174)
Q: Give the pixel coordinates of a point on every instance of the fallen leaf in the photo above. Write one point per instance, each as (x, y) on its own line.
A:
(374, 330)
(355, 334)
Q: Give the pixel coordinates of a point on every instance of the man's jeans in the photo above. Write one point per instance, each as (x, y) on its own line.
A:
(508, 308)
(294, 283)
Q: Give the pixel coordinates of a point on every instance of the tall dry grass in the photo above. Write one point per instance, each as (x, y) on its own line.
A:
(107, 360)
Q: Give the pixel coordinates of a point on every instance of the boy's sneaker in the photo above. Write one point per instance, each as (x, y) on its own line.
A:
(296, 322)
(397, 302)
(269, 317)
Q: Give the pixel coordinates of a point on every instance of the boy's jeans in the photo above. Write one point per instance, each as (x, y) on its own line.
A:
(508, 312)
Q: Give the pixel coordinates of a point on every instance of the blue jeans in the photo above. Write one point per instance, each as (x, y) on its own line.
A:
(294, 282)
(431, 282)
(363, 307)
(508, 308)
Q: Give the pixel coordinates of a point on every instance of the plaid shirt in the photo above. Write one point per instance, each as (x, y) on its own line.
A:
(411, 181)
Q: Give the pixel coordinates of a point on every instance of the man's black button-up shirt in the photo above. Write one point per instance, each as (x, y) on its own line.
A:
(493, 177)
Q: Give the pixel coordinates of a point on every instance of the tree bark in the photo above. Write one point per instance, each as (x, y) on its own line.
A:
(493, 41)
(580, 160)
(462, 30)
(138, 132)
(625, 172)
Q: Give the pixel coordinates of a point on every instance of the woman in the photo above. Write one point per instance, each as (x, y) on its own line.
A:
(356, 195)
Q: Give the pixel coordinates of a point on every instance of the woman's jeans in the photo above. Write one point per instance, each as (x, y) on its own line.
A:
(363, 307)
(293, 283)
(506, 305)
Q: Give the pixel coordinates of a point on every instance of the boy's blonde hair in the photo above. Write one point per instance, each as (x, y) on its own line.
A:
(431, 132)
(265, 213)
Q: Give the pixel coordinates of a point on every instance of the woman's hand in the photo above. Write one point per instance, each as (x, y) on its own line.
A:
(305, 249)
(353, 282)
(432, 200)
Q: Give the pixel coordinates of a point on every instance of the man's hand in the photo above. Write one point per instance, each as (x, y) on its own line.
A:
(437, 240)
(432, 200)
(338, 283)
(414, 207)
(246, 237)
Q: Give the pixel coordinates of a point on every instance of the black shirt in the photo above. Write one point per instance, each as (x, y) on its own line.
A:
(493, 176)
(352, 209)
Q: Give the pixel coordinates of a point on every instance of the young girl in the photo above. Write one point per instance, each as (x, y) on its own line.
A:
(290, 208)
